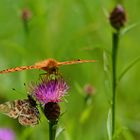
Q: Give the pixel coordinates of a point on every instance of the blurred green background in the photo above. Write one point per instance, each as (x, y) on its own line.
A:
(67, 30)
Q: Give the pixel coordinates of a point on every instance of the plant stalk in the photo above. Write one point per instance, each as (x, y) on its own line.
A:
(115, 41)
(52, 129)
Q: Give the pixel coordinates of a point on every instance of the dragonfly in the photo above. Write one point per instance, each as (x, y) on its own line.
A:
(46, 65)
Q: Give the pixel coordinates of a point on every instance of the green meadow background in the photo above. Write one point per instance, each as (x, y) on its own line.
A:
(68, 30)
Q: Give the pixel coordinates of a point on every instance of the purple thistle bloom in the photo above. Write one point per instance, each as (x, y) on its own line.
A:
(6, 134)
(50, 90)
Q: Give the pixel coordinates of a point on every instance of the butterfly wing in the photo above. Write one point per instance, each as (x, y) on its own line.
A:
(12, 108)
(29, 116)
(74, 62)
(45, 65)
(18, 69)
(21, 109)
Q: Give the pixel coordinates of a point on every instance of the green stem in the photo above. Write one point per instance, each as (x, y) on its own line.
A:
(52, 129)
(115, 38)
(26, 27)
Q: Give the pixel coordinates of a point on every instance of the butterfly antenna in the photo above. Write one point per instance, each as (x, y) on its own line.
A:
(26, 89)
(16, 91)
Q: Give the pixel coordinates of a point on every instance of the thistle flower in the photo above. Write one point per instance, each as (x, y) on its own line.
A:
(6, 134)
(50, 90)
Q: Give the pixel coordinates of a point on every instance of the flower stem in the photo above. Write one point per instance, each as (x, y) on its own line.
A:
(115, 39)
(52, 129)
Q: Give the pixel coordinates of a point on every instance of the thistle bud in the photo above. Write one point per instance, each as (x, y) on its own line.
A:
(117, 17)
(26, 15)
(89, 89)
(52, 111)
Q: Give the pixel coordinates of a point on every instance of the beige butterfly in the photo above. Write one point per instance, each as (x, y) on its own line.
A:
(25, 110)
(46, 65)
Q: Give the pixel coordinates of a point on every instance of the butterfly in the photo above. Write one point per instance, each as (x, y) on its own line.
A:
(25, 110)
(46, 65)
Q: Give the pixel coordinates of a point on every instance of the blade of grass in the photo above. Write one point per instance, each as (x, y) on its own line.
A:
(128, 67)
(130, 27)
(109, 125)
